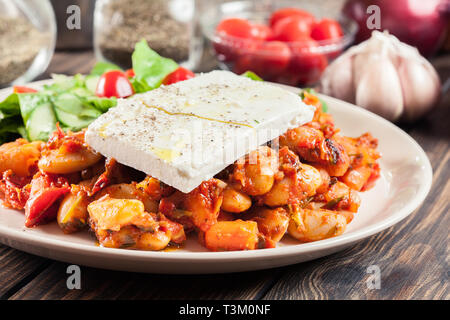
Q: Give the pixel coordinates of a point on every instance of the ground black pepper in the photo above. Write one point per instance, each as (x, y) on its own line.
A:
(134, 20)
(20, 42)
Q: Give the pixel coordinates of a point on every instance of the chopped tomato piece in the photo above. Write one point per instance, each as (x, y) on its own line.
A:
(178, 75)
(20, 89)
(43, 204)
(130, 73)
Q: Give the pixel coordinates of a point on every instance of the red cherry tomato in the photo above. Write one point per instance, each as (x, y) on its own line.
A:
(178, 75)
(261, 32)
(307, 64)
(130, 73)
(224, 51)
(231, 49)
(244, 56)
(291, 29)
(272, 58)
(291, 12)
(235, 27)
(326, 29)
(245, 63)
(19, 89)
(114, 83)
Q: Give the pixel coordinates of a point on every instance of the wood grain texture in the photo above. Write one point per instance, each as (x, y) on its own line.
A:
(17, 268)
(104, 284)
(70, 63)
(412, 256)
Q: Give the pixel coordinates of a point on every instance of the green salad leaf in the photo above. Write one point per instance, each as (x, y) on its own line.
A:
(313, 92)
(252, 75)
(149, 67)
(102, 67)
(10, 118)
(101, 104)
(38, 115)
(9, 107)
(10, 128)
(71, 100)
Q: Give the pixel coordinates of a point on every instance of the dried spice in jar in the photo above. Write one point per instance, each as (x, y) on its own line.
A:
(20, 42)
(126, 22)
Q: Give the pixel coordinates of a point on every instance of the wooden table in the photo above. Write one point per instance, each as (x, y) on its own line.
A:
(413, 255)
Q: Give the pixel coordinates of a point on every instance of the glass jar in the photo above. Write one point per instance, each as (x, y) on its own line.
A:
(167, 25)
(301, 63)
(27, 39)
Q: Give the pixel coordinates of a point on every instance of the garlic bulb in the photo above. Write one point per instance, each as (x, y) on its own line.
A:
(385, 76)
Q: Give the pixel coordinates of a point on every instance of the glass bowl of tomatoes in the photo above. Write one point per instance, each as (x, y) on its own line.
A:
(282, 44)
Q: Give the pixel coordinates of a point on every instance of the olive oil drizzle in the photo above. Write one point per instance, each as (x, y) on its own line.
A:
(197, 116)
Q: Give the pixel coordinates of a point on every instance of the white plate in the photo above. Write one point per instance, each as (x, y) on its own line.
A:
(406, 177)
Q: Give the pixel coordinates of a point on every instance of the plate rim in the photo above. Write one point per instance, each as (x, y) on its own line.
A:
(247, 255)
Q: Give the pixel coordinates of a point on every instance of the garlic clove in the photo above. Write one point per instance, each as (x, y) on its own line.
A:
(338, 80)
(361, 61)
(379, 89)
(420, 84)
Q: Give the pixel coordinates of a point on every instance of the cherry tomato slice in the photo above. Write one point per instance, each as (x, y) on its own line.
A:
(114, 83)
(19, 89)
(291, 12)
(326, 29)
(178, 75)
(235, 27)
(291, 29)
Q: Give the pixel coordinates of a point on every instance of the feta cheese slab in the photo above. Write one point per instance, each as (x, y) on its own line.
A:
(186, 133)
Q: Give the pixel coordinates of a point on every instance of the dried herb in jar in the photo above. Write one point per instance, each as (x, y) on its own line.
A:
(130, 21)
(20, 42)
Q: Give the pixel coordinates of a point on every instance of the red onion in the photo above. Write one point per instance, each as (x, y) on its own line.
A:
(420, 23)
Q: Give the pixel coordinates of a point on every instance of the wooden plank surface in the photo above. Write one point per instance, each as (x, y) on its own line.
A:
(70, 63)
(412, 255)
(105, 284)
(17, 269)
